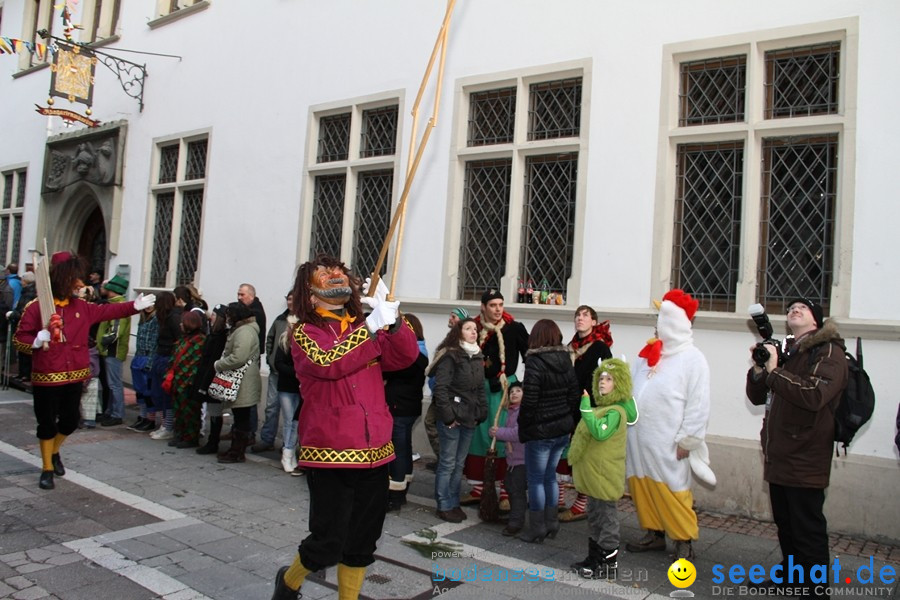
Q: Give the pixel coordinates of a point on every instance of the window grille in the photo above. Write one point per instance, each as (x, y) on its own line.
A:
(189, 244)
(334, 138)
(16, 238)
(713, 91)
(802, 81)
(196, 160)
(708, 205)
(492, 117)
(168, 163)
(4, 239)
(548, 222)
(7, 190)
(373, 216)
(554, 109)
(328, 215)
(796, 252)
(162, 239)
(379, 132)
(20, 191)
(482, 260)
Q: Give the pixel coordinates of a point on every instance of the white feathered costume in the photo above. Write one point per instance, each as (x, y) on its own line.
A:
(672, 395)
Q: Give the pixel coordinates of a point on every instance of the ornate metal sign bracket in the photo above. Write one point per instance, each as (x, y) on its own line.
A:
(131, 75)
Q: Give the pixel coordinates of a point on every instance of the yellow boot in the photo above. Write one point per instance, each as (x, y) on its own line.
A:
(350, 581)
(46, 481)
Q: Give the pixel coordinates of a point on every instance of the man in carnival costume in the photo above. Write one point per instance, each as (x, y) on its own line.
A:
(345, 425)
(502, 340)
(589, 347)
(60, 359)
(671, 389)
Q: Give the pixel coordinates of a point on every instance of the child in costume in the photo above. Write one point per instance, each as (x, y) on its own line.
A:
(514, 481)
(597, 456)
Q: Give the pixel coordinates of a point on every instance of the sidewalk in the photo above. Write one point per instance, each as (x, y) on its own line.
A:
(135, 519)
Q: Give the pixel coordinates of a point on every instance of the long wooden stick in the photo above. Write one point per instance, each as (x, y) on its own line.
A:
(398, 220)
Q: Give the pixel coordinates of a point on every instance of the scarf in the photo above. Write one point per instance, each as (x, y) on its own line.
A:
(470, 348)
(344, 320)
(579, 345)
(487, 329)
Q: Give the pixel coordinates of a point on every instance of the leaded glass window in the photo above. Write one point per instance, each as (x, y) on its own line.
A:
(373, 215)
(492, 117)
(7, 190)
(196, 160)
(799, 191)
(12, 190)
(16, 238)
(189, 243)
(162, 239)
(548, 222)
(334, 138)
(713, 91)
(328, 215)
(379, 132)
(554, 109)
(708, 205)
(168, 163)
(802, 81)
(485, 219)
(4, 238)
(20, 191)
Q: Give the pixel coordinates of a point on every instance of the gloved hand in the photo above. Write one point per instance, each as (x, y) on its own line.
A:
(42, 336)
(144, 301)
(384, 313)
(381, 290)
(9, 315)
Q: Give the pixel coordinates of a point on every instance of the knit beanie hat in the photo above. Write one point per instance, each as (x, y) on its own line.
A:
(491, 294)
(117, 284)
(815, 309)
(460, 312)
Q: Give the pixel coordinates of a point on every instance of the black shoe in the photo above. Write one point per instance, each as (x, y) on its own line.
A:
(110, 422)
(448, 515)
(46, 482)
(137, 425)
(58, 468)
(282, 591)
(187, 444)
(431, 466)
(145, 427)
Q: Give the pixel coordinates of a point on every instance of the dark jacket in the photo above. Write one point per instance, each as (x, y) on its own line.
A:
(551, 395)
(403, 389)
(515, 342)
(284, 366)
(169, 332)
(798, 429)
(206, 370)
(586, 364)
(279, 326)
(259, 312)
(459, 388)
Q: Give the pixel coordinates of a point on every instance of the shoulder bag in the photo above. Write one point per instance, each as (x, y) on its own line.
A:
(225, 385)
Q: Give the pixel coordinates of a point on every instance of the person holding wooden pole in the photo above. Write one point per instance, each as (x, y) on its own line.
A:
(55, 330)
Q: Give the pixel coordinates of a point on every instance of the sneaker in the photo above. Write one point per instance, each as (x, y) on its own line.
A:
(110, 422)
(134, 426)
(145, 427)
(90, 424)
(298, 472)
(162, 434)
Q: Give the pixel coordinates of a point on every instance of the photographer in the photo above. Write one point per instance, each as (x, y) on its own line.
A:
(801, 395)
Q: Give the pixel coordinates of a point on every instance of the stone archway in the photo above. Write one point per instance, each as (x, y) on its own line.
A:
(92, 244)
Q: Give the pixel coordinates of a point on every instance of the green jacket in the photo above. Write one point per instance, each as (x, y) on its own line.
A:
(121, 345)
(597, 451)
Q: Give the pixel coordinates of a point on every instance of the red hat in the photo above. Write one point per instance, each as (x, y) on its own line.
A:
(684, 301)
(60, 257)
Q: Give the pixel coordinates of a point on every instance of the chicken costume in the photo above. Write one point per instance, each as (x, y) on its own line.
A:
(671, 390)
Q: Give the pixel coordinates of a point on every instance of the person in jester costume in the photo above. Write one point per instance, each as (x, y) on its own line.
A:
(345, 425)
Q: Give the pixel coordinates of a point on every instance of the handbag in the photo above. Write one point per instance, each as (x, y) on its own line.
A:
(111, 337)
(225, 385)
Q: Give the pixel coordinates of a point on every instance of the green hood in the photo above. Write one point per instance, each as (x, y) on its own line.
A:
(621, 374)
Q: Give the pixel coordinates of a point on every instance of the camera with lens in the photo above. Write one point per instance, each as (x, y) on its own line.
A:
(763, 349)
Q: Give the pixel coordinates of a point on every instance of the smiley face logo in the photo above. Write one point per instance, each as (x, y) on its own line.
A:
(682, 573)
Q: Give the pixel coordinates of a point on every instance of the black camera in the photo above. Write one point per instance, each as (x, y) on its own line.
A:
(761, 352)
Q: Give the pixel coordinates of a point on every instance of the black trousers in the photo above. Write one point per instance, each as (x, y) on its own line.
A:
(242, 418)
(802, 528)
(346, 516)
(57, 409)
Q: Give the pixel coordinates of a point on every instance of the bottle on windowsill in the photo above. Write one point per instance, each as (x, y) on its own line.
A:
(529, 292)
(520, 298)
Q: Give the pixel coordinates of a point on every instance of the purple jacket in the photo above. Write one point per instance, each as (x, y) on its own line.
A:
(515, 451)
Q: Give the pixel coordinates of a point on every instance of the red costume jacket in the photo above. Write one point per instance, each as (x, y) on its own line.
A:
(65, 362)
(344, 420)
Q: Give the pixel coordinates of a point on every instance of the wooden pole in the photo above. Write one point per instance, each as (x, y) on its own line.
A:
(399, 217)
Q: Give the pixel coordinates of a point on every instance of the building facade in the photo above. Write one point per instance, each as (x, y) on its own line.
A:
(605, 153)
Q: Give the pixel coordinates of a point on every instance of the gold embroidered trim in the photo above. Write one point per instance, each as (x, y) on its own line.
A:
(324, 358)
(329, 456)
(64, 377)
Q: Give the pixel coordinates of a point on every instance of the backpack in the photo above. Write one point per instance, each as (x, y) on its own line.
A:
(857, 401)
(7, 295)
